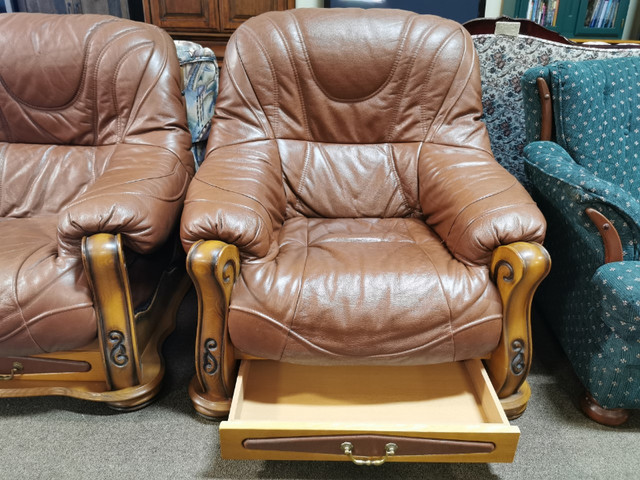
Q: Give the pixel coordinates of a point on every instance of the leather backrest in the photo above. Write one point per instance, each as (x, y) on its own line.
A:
(349, 96)
(73, 87)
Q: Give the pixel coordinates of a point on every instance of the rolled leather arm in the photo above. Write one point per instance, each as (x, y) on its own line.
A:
(139, 195)
(237, 196)
(474, 204)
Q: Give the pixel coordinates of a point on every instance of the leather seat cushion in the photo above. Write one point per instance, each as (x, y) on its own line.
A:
(363, 291)
(45, 301)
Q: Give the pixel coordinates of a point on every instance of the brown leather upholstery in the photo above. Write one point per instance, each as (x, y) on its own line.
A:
(349, 164)
(93, 138)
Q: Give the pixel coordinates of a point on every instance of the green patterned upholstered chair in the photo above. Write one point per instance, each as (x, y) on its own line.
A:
(583, 119)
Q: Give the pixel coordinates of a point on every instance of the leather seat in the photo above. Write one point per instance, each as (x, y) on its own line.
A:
(348, 170)
(95, 163)
(395, 293)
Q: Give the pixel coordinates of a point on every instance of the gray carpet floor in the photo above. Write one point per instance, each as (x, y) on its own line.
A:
(62, 438)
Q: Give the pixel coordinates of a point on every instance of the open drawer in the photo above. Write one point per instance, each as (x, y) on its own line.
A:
(433, 413)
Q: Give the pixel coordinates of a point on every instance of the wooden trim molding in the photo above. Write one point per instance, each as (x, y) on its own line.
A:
(213, 267)
(106, 270)
(546, 123)
(517, 269)
(609, 234)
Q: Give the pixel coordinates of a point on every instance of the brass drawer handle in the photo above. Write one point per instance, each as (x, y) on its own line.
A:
(16, 368)
(390, 450)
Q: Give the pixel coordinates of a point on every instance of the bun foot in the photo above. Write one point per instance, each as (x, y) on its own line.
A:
(611, 417)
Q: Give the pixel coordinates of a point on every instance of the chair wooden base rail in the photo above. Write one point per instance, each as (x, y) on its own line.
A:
(517, 270)
(123, 366)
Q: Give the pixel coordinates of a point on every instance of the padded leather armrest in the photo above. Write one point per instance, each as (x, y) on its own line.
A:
(237, 197)
(474, 204)
(139, 195)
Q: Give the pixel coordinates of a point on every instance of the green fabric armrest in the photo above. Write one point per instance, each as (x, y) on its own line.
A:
(568, 189)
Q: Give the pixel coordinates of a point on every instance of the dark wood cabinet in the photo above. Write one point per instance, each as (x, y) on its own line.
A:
(208, 22)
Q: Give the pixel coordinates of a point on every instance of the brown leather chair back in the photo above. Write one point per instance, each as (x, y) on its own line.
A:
(72, 89)
(333, 113)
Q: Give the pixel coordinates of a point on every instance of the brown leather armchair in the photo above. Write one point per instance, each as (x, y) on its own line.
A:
(95, 163)
(349, 210)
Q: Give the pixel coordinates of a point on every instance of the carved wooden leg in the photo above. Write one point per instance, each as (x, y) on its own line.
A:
(213, 267)
(517, 270)
(130, 344)
(123, 367)
(611, 417)
(107, 275)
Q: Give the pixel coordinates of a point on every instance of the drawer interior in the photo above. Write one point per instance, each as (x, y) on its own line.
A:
(446, 412)
(435, 394)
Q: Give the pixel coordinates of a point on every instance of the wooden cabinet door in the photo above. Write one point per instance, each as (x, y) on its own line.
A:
(234, 12)
(185, 13)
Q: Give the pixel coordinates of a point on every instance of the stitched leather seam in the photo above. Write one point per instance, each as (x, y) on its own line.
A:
(433, 128)
(396, 176)
(106, 163)
(39, 169)
(42, 317)
(442, 289)
(305, 117)
(297, 305)
(484, 197)
(41, 130)
(283, 185)
(94, 193)
(161, 147)
(305, 169)
(5, 126)
(463, 147)
(245, 142)
(308, 343)
(135, 107)
(94, 174)
(276, 93)
(265, 127)
(3, 161)
(254, 200)
(96, 67)
(14, 290)
(114, 87)
(405, 81)
(476, 323)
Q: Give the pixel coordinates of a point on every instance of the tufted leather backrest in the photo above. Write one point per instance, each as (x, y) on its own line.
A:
(73, 90)
(349, 123)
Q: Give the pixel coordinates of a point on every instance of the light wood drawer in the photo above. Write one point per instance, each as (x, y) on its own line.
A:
(433, 413)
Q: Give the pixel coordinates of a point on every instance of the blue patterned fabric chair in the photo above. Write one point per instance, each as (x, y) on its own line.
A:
(587, 183)
(200, 87)
(503, 61)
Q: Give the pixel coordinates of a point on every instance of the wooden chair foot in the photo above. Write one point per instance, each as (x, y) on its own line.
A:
(205, 404)
(126, 407)
(147, 395)
(611, 417)
(515, 405)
